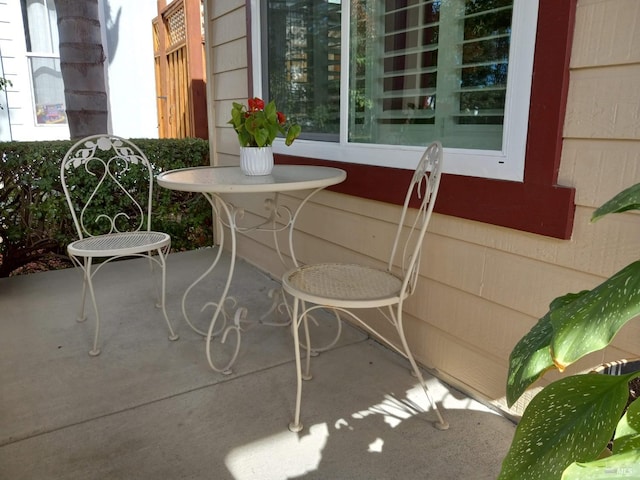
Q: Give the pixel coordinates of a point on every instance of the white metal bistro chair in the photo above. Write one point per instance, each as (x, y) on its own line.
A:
(347, 288)
(108, 183)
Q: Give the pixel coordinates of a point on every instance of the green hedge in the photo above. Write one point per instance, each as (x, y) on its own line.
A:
(34, 216)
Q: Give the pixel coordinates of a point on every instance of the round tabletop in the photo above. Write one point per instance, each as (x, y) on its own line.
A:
(232, 180)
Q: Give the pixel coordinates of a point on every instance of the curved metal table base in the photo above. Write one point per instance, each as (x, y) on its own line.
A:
(229, 320)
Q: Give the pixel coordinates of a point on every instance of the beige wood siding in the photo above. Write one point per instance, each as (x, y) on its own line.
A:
(482, 286)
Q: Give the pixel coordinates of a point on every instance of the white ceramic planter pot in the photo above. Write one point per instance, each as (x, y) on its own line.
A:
(256, 160)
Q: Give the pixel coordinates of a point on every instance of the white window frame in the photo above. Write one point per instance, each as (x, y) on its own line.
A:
(31, 54)
(505, 164)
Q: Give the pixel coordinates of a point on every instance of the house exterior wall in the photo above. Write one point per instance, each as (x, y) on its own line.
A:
(130, 83)
(131, 76)
(482, 286)
(19, 122)
(5, 30)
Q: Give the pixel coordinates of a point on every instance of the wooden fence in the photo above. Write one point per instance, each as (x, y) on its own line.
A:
(178, 39)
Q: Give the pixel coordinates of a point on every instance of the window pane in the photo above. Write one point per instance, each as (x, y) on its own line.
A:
(429, 69)
(302, 63)
(48, 90)
(41, 30)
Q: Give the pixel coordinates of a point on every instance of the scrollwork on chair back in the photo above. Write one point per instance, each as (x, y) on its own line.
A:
(108, 183)
(409, 240)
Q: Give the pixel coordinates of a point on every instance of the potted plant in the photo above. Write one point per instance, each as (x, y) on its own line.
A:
(565, 430)
(257, 126)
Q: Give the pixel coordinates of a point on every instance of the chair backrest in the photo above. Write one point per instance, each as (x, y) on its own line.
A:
(409, 239)
(108, 183)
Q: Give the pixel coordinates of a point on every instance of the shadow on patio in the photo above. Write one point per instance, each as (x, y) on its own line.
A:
(151, 408)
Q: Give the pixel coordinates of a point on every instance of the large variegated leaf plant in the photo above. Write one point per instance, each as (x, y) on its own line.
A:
(565, 429)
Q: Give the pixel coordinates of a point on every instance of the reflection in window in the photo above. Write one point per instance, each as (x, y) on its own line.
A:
(419, 70)
(429, 69)
(48, 90)
(302, 68)
(41, 35)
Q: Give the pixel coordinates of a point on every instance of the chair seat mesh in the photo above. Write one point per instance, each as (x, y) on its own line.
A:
(344, 282)
(119, 243)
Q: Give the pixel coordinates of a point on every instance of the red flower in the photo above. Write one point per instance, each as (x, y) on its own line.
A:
(281, 118)
(256, 104)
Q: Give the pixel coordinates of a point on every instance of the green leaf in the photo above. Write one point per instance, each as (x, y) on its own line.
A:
(261, 135)
(244, 138)
(628, 430)
(274, 129)
(628, 199)
(271, 112)
(590, 322)
(237, 115)
(293, 133)
(570, 420)
(624, 465)
(531, 357)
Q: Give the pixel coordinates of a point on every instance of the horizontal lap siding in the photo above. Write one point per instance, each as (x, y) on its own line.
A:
(603, 103)
(601, 167)
(606, 33)
(229, 59)
(601, 154)
(484, 286)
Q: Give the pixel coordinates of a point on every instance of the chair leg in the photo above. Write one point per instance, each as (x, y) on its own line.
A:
(152, 262)
(88, 280)
(163, 265)
(307, 338)
(81, 314)
(441, 424)
(296, 426)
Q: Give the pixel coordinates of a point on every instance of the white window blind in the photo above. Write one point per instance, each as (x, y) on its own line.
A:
(435, 70)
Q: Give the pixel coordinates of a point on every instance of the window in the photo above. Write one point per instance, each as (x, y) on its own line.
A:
(377, 80)
(435, 70)
(537, 204)
(41, 35)
(302, 68)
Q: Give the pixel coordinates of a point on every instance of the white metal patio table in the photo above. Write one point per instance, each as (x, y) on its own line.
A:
(213, 183)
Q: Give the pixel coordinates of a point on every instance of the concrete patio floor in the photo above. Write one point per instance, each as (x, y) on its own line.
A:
(148, 408)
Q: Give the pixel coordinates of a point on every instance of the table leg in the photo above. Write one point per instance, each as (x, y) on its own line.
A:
(220, 325)
(279, 304)
(228, 327)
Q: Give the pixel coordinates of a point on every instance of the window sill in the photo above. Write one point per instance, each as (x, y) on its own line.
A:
(544, 210)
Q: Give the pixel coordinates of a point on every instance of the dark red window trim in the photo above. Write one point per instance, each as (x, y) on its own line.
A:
(537, 205)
